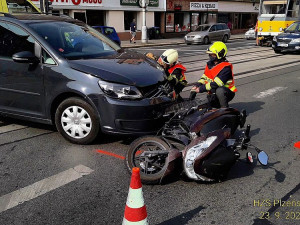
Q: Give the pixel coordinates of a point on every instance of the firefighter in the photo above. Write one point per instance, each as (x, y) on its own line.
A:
(217, 79)
(174, 71)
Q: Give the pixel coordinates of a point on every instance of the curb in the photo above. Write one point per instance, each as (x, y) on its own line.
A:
(160, 44)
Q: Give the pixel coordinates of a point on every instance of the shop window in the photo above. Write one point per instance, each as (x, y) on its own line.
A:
(195, 21)
(80, 16)
(182, 22)
(128, 18)
(169, 22)
(95, 17)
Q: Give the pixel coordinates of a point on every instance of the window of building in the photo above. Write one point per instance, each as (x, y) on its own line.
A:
(128, 18)
(169, 22)
(80, 16)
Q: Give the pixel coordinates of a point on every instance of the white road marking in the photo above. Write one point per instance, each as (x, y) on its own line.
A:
(42, 187)
(269, 92)
(10, 127)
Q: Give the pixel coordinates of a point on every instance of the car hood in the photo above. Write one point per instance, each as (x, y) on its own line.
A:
(127, 67)
(288, 35)
(197, 33)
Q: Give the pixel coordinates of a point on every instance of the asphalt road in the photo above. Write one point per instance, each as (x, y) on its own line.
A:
(46, 180)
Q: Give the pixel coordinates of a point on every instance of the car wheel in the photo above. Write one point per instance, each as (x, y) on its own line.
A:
(277, 51)
(77, 121)
(225, 38)
(205, 40)
(188, 43)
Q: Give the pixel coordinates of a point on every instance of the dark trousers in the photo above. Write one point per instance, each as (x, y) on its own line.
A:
(220, 97)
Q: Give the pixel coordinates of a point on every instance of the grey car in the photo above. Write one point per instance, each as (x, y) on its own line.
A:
(206, 33)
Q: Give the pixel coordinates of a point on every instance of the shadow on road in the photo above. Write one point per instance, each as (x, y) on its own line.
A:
(250, 107)
(183, 218)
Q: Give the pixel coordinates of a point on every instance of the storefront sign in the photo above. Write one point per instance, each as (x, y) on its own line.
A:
(152, 3)
(204, 6)
(74, 2)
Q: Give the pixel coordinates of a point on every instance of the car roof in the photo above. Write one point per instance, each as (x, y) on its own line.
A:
(33, 18)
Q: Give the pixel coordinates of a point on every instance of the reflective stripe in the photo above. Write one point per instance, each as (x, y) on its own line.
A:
(219, 82)
(208, 87)
(135, 198)
(143, 222)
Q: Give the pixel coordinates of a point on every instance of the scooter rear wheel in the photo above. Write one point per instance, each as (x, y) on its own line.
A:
(152, 165)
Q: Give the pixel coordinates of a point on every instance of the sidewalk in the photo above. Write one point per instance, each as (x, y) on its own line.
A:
(170, 41)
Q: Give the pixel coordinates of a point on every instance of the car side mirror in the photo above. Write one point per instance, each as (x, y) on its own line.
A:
(25, 57)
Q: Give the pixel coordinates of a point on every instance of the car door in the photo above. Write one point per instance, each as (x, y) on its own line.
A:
(213, 33)
(21, 84)
(220, 32)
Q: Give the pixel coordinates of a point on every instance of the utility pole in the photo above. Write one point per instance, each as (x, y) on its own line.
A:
(144, 4)
(45, 6)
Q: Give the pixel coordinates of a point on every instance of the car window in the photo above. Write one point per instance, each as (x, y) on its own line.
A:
(13, 39)
(47, 59)
(294, 27)
(202, 28)
(74, 41)
(225, 27)
(213, 28)
(219, 27)
(108, 31)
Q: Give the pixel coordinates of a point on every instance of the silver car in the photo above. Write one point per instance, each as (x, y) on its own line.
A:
(208, 32)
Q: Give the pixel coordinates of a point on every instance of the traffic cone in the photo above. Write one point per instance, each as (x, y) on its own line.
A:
(135, 210)
(297, 144)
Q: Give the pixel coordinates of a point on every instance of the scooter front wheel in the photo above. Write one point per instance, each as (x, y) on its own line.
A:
(150, 154)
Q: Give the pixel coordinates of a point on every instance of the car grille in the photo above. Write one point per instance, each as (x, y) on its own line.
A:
(155, 91)
(285, 40)
(190, 36)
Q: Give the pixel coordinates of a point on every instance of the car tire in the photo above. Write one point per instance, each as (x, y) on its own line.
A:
(225, 38)
(206, 40)
(278, 51)
(188, 43)
(80, 127)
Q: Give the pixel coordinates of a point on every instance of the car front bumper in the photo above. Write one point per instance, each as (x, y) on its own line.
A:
(138, 117)
(193, 40)
(287, 47)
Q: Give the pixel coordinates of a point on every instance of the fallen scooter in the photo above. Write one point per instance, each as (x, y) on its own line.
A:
(195, 141)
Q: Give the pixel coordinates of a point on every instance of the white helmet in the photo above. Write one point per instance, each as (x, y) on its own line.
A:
(169, 57)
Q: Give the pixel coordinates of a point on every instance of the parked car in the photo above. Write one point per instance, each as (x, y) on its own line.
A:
(250, 34)
(109, 32)
(57, 70)
(289, 40)
(206, 33)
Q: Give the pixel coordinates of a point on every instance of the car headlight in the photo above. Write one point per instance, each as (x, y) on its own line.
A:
(197, 36)
(193, 153)
(275, 38)
(297, 40)
(119, 90)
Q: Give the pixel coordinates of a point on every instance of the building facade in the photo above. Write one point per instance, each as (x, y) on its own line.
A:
(186, 15)
(239, 14)
(116, 13)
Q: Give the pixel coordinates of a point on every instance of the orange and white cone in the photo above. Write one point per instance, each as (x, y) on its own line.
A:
(135, 210)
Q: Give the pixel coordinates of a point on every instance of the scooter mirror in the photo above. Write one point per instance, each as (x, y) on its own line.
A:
(263, 158)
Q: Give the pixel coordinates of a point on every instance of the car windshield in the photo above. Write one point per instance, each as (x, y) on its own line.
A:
(202, 28)
(295, 27)
(74, 41)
